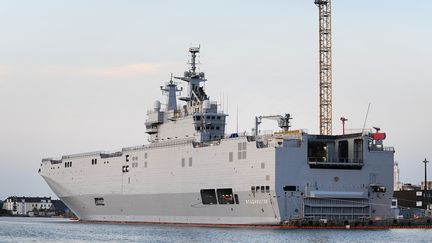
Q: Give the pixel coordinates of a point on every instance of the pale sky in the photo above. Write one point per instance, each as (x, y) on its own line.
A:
(79, 76)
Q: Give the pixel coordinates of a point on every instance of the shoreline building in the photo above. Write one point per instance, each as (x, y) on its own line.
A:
(397, 185)
(26, 205)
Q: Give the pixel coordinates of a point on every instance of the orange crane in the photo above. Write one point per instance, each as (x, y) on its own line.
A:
(325, 66)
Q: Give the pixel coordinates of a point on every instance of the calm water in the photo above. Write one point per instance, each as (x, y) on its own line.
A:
(63, 230)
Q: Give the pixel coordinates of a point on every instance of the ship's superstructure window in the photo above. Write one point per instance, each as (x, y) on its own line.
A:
(267, 189)
(262, 165)
(225, 196)
(317, 151)
(94, 161)
(99, 201)
(183, 162)
(145, 155)
(262, 189)
(290, 188)
(231, 157)
(68, 164)
(343, 151)
(190, 161)
(145, 164)
(208, 196)
(127, 158)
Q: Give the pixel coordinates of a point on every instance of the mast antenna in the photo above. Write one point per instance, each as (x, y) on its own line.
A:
(366, 117)
(325, 66)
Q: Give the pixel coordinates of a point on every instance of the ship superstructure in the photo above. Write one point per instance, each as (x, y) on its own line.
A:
(192, 171)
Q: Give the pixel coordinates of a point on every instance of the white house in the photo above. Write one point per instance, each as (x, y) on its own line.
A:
(26, 205)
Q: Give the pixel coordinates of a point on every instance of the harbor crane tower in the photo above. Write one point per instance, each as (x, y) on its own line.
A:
(325, 66)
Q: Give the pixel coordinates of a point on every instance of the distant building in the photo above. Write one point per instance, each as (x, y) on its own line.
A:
(397, 185)
(429, 185)
(410, 187)
(27, 205)
(414, 198)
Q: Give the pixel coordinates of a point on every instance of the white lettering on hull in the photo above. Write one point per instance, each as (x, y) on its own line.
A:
(256, 201)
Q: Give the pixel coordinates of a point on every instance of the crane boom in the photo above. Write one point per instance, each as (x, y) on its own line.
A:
(283, 121)
(325, 66)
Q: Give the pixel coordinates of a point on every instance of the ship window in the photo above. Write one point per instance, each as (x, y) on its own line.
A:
(218, 117)
(262, 165)
(290, 188)
(208, 196)
(127, 158)
(208, 117)
(239, 155)
(267, 189)
(99, 201)
(267, 177)
(317, 151)
(262, 189)
(145, 156)
(190, 162)
(225, 196)
(231, 156)
(244, 145)
(257, 188)
(145, 164)
(239, 146)
(343, 151)
(198, 118)
(217, 128)
(183, 162)
(253, 189)
(244, 154)
(213, 117)
(236, 199)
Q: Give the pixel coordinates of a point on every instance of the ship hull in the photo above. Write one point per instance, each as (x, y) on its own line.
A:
(181, 208)
(265, 185)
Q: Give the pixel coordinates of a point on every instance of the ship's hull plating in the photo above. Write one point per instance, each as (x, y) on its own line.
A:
(271, 184)
(184, 208)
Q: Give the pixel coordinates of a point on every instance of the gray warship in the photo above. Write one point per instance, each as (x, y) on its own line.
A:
(193, 172)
